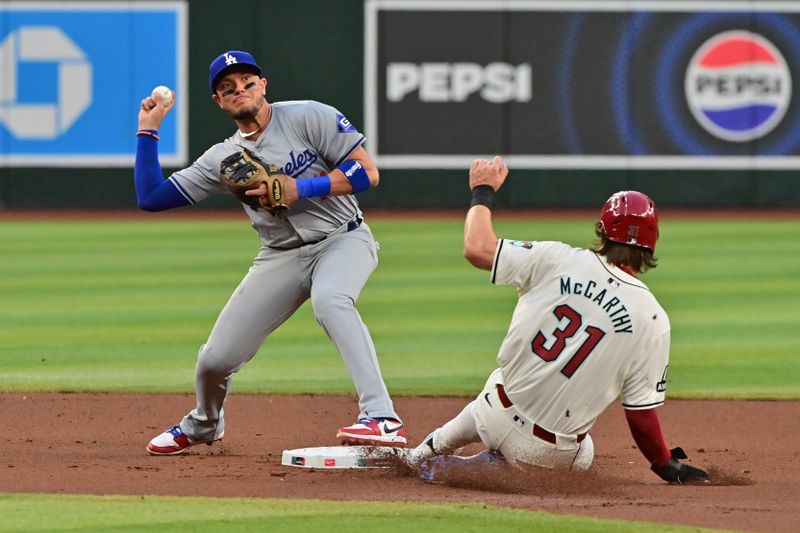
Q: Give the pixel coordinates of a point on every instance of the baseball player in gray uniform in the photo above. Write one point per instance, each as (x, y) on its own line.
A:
(585, 331)
(323, 250)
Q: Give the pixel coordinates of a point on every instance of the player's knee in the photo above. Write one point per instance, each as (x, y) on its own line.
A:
(213, 362)
(329, 304)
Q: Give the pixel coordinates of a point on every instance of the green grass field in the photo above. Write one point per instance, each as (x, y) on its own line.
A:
(129, 514)
(122, 306)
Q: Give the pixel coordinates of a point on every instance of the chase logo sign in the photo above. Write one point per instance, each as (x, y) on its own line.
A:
(73, 74)
(43, 44)
(738, 86)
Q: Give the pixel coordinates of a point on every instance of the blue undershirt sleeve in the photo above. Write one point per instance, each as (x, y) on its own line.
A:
(153, 192)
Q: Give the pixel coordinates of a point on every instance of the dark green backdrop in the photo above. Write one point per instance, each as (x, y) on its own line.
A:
(313, 49)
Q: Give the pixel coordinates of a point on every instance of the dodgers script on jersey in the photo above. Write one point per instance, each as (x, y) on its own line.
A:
(303, 139)
(583, 332)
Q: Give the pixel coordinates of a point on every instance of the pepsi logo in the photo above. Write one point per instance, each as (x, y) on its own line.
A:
(738, 86)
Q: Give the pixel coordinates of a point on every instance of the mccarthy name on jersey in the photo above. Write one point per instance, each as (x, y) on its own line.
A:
(613, 306)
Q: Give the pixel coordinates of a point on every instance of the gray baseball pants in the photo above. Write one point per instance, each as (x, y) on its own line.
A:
(331, 273)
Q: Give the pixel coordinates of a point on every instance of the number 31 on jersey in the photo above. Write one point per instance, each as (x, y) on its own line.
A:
(569, 330)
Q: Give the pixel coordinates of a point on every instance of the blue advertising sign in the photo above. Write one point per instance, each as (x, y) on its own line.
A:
(72, 76)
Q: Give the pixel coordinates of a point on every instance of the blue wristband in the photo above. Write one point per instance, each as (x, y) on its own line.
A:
(151, 133)
(317, 186)
(356, 174)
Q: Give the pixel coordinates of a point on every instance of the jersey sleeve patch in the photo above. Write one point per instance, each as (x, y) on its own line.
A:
(344, 125)
(520, 263)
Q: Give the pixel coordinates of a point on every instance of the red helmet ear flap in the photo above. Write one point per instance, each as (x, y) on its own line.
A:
(630, 217)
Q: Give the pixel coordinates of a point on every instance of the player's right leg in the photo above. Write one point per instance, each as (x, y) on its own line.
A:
(269, 294)
(466, 428)
(455, 434)
(344, 263)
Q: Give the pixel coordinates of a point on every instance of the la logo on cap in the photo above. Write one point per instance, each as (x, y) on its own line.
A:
(230, 60)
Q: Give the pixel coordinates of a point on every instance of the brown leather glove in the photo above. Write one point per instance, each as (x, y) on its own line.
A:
(244, 171)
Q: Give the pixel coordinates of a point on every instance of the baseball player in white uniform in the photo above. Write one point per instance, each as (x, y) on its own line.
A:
(323, 250)
(585, 331)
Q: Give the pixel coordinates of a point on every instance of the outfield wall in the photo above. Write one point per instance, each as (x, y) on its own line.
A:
(563, 153)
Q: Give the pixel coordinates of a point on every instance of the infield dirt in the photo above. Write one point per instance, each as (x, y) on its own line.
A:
(95, 444)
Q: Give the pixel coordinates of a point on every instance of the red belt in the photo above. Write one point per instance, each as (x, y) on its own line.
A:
(537, 430)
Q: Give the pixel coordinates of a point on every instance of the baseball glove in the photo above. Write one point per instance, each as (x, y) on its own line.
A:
(244, 171)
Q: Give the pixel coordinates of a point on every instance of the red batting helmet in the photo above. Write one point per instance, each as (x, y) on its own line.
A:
(630, 217)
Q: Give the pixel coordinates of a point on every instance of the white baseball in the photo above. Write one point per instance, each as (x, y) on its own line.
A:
(164, 92)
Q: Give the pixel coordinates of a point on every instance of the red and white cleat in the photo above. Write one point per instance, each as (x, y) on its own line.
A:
(174, 442)
(374, 432)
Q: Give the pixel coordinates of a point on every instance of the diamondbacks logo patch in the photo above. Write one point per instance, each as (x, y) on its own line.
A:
(661, 386)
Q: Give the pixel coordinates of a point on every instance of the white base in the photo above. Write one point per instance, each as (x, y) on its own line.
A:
(343, 457)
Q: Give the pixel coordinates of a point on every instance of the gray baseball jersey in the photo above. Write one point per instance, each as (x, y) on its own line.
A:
(303, 139)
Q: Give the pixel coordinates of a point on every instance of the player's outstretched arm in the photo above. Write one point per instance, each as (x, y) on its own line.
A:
(480, 240)
(646, 430)
(153, 193)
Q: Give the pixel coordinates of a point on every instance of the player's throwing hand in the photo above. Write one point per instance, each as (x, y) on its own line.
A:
(492, 173)
(152, 112)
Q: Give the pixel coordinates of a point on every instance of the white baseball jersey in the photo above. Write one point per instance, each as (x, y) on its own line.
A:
(583, 332)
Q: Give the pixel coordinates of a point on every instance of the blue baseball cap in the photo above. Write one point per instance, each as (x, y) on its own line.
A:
(228, 61)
